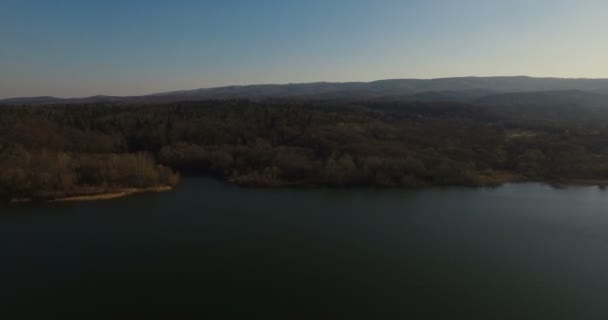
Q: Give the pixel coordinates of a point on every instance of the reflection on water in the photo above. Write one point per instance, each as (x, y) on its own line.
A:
(210, 249)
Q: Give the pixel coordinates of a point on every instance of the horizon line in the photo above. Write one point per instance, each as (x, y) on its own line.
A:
(299, 83)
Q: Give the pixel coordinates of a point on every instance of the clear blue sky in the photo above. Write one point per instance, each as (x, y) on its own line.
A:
(121, 47)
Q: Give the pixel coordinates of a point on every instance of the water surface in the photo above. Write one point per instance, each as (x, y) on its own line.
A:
(524, 251)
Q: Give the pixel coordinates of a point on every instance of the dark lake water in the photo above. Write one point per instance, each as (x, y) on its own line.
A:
(209, 249)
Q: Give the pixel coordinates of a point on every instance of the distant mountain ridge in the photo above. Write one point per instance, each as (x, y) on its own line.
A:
(463, 89)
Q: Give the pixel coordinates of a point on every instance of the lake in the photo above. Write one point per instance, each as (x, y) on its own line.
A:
(521, 251)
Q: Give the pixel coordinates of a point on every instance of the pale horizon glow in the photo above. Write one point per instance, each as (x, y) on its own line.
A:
(69, 48)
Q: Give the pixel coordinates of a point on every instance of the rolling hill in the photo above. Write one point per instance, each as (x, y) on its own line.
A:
(465, 89)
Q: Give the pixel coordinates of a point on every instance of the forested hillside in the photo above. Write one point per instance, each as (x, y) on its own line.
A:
(59, 150)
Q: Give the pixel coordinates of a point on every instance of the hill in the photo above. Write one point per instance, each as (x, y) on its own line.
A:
(573, 105)
(444, 89)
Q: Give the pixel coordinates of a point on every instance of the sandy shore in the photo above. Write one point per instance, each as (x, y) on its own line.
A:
(112, 195)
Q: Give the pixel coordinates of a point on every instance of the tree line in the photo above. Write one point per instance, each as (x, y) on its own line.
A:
(55, 149)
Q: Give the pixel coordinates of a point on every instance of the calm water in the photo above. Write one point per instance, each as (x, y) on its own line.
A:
(210, 249)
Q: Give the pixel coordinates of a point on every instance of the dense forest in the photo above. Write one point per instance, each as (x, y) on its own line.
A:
(51, 151)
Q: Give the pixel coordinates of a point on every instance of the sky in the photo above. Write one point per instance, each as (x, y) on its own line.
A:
(75, 48)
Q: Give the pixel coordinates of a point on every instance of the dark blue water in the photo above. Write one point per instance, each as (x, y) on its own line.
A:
(222, 252)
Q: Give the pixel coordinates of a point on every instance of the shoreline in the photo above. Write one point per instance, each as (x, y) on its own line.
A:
(113, 195)
(602, 184)
(485, 183)
(95, 196)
